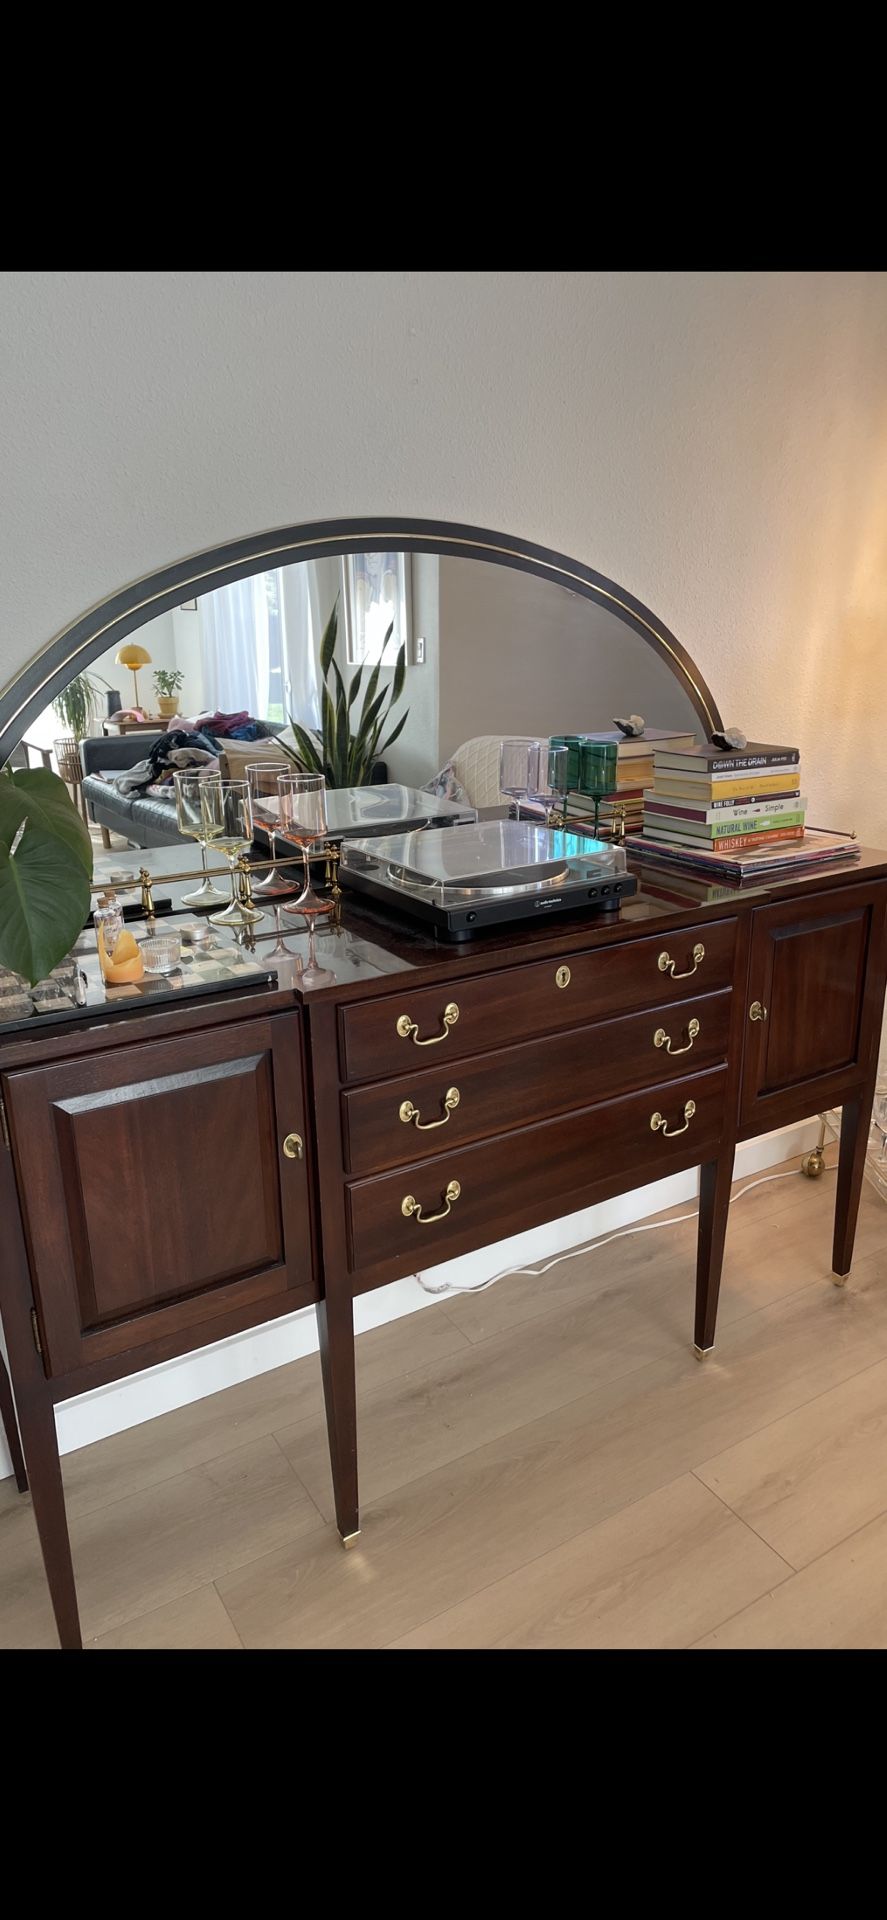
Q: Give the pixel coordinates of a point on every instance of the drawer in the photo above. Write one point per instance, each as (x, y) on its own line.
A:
(425, 1025)
(478, 1193)
(403, 1120)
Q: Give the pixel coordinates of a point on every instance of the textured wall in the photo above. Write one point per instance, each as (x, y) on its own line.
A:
(717, 443)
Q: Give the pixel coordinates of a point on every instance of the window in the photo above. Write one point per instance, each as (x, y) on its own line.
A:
(274, 686)
(375, 593)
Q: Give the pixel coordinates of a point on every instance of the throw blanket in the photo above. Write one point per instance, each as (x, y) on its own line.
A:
(169, 755)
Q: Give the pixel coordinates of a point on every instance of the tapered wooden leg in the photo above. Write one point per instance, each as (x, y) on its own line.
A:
(40, 1441)
(335, 1325)
(106, 839)
(715, 1182)
(10, 1428)
(855, 1120)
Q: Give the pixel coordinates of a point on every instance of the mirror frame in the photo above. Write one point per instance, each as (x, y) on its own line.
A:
(111, 621)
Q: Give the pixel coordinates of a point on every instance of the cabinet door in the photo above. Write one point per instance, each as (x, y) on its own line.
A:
(155, 1189)
(816, 984)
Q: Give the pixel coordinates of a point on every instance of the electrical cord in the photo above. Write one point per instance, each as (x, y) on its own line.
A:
(592, 1246)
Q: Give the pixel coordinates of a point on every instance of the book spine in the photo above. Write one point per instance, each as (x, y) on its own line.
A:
(778, 807)
(738, 842)
(730, 843)
(712, 833)
(731, 762)
(756, 823)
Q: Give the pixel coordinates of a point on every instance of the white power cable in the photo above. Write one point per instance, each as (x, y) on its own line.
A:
(592, 1246)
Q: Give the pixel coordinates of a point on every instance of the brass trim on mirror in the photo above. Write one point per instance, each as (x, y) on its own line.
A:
(123, 612)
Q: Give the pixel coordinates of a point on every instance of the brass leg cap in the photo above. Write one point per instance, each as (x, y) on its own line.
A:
(840, 1279)
(349, 1539)
(702, 1352)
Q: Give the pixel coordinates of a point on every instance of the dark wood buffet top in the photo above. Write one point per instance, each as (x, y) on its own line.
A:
(173, 1174)
(369, 950)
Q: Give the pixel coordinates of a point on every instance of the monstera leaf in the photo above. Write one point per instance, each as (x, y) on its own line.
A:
(45, 872)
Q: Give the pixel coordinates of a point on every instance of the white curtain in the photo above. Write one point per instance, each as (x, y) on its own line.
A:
(303, 623)
(234, 644)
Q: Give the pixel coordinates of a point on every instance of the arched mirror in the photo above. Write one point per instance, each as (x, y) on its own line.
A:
(394, 657)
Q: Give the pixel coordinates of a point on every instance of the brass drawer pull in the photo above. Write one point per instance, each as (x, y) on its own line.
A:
(408, 1112)
(412, 1209)
(662, 1039)
(406, 1026)
(667, 965)
(659, 1123)
(757, 1011)
(292, 1146)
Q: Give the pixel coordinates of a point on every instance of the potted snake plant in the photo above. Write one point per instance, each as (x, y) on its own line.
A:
(346, 750)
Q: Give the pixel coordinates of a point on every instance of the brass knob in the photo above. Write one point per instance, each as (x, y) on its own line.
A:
(563, 977)
(292, 1146)
(757, 1011)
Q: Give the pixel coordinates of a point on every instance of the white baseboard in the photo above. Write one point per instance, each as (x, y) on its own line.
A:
(127, 1403)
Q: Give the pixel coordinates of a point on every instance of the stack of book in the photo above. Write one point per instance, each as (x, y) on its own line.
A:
(731, 814)
(621, 809)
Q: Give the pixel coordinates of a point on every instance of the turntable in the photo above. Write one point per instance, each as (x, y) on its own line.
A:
(462, 879)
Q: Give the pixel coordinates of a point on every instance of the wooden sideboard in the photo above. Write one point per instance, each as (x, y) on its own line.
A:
(174, 1177)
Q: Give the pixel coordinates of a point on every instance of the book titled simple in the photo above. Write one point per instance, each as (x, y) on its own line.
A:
(701, 813)
(709, 760)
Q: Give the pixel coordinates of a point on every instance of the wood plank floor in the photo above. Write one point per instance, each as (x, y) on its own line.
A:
(542, 1465)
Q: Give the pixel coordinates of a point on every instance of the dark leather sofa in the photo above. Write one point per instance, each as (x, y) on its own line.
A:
(142, 819)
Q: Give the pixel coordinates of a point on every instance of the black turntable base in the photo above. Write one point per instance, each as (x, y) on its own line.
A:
(462, 880)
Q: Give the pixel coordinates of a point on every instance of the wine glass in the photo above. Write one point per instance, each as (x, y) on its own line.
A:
(519, 768)
(597, 772)
(550, 785)
(228, 824)
(303, 820)
(262, 777)
(189, 814)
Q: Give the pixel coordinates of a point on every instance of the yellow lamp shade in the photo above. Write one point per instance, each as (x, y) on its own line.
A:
(133, 657)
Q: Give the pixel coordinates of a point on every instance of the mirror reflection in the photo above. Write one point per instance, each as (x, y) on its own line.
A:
(393, 669)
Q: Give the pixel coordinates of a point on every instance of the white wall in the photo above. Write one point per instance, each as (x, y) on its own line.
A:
(715, 442)
(522, 655)
(158, 639)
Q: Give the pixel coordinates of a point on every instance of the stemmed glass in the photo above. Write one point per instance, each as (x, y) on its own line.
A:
(228, 824)
(519, 768)
(303, 820)
(189, 814)
(262, 776)
(550, 786)
(597, 772)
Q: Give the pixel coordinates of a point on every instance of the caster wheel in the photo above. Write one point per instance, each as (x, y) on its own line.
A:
(812, 1164)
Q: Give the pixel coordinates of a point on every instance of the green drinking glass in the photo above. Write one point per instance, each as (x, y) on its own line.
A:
(597, 772)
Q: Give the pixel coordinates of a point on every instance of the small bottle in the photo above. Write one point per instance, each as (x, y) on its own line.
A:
(108, 922)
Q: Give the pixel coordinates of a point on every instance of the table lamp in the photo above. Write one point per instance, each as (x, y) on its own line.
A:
(133, 657)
